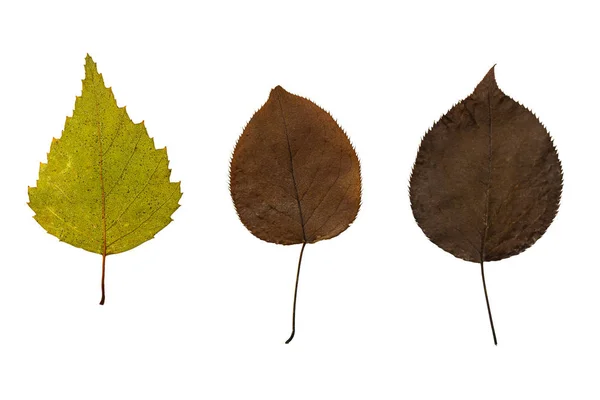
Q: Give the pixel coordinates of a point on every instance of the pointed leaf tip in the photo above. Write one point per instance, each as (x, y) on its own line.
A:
(278, 90)
(89, 59)
(488, 81)
(91, 68)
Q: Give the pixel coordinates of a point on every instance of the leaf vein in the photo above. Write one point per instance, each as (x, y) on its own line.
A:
(117, 134)
(119, 179)
(336, 209)
(328, 189)
(144, 221)
(136, 196)
(70, 225)
(287, 136)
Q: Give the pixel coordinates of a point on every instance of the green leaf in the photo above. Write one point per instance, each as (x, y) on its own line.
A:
(105, 188)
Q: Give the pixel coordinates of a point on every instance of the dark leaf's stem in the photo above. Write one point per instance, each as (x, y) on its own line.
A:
(103, 273)
(296, 296)
(488, 305)
(487, 216)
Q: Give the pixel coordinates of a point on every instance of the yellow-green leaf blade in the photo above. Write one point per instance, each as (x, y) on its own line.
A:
(105, 188)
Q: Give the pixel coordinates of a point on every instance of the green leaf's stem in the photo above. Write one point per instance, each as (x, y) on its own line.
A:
(102, 191)
(296, 296)
(103, 273)
(488, 305)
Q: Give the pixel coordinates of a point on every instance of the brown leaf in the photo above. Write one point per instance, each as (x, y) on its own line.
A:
(294, 175)
(487, 180)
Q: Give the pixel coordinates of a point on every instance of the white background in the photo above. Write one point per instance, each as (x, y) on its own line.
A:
(202, 310)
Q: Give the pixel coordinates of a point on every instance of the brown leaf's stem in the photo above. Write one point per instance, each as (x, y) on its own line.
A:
(488, 305)
(103, 273)
(296, 296)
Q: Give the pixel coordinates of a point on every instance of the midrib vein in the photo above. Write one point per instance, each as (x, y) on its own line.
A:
(287, 136)
(489, 182)
(101, 174)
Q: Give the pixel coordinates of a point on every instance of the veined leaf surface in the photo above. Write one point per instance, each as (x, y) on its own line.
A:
(105, 187)
(294, 175)
(487, 180)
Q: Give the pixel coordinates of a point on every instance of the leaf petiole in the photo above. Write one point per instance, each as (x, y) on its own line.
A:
(103, 273)
(296, 296)
(488, 305)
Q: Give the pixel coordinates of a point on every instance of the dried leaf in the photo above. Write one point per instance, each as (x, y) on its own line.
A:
(105, 188)
(294, 175)
(487, 180)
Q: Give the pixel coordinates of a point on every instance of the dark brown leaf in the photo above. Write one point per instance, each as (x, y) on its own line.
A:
(487, 180)
(294, 175)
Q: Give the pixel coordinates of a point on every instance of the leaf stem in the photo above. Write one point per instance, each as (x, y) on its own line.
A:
(488, 305)
(296, 296)
(103, 273)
